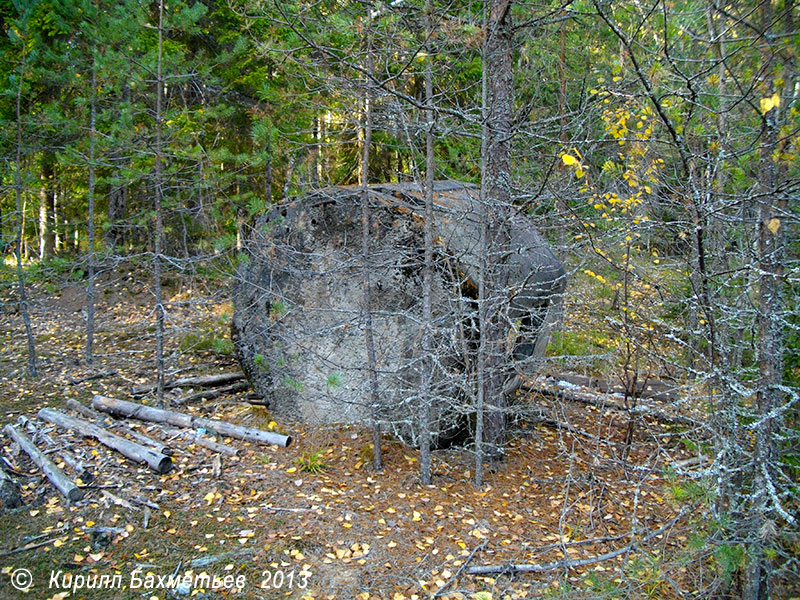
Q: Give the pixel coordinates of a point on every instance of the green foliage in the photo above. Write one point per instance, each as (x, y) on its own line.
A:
(730, 559)
(311, 461)
(207, 341)
(333, 381)
(292, 384)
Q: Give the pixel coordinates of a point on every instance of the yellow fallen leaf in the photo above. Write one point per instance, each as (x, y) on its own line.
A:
(416, 516)
(569, 160)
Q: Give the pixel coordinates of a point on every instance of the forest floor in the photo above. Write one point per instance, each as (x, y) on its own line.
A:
(339, 530)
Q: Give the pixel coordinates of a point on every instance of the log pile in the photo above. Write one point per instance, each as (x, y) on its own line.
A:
(62, 459)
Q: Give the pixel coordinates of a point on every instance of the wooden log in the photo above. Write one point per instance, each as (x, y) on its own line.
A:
(56, 476)
(143, 439)
(203, 381)
(9, 493)
(136, 452)
(235, 388)
(178, 419)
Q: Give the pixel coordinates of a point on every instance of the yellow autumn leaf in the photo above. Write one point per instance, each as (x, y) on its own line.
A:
(569, 160)
(416, 516)
(773, 225)
(767, 104)
(209, 498)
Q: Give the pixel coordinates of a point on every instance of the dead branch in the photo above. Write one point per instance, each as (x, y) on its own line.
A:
(215, 558)
(511, 568)
(215, 393)
(81, 471)
(114, 499)
(195, 437)
(101, 375)
(27, 547)
(606, 403)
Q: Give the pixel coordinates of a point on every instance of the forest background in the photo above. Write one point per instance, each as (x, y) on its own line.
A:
(655, 144)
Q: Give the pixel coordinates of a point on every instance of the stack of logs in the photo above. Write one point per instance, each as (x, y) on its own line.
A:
(134, 445)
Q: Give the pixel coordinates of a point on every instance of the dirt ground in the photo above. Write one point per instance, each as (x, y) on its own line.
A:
(313, 520)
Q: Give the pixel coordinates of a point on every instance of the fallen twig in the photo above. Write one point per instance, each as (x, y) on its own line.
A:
(456, 575)
(27, 547)
(215, 393)
(101, 375)
(203, 381)
(210, 560)
(570, 564)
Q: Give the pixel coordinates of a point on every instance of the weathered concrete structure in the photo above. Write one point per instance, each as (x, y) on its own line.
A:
(298, 324)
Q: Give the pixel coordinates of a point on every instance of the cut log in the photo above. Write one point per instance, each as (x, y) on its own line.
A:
(143, 439)
(179, 419)
(136, 452)
(203, 381)
(214, 393)
(9, 493)
(56, 476)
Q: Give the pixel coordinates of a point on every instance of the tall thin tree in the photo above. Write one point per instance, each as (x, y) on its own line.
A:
(23, 297)
(366, 141)
(90, 226)
(158, 231)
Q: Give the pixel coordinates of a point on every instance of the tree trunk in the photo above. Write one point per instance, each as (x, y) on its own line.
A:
(770, 324)
(107, 422)
(90, 225)
(158, 231)
(480, 359)
(498, 198)
(202, 381)
(47, 201)
(20, 223)
(366, 141)
(429, 364)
